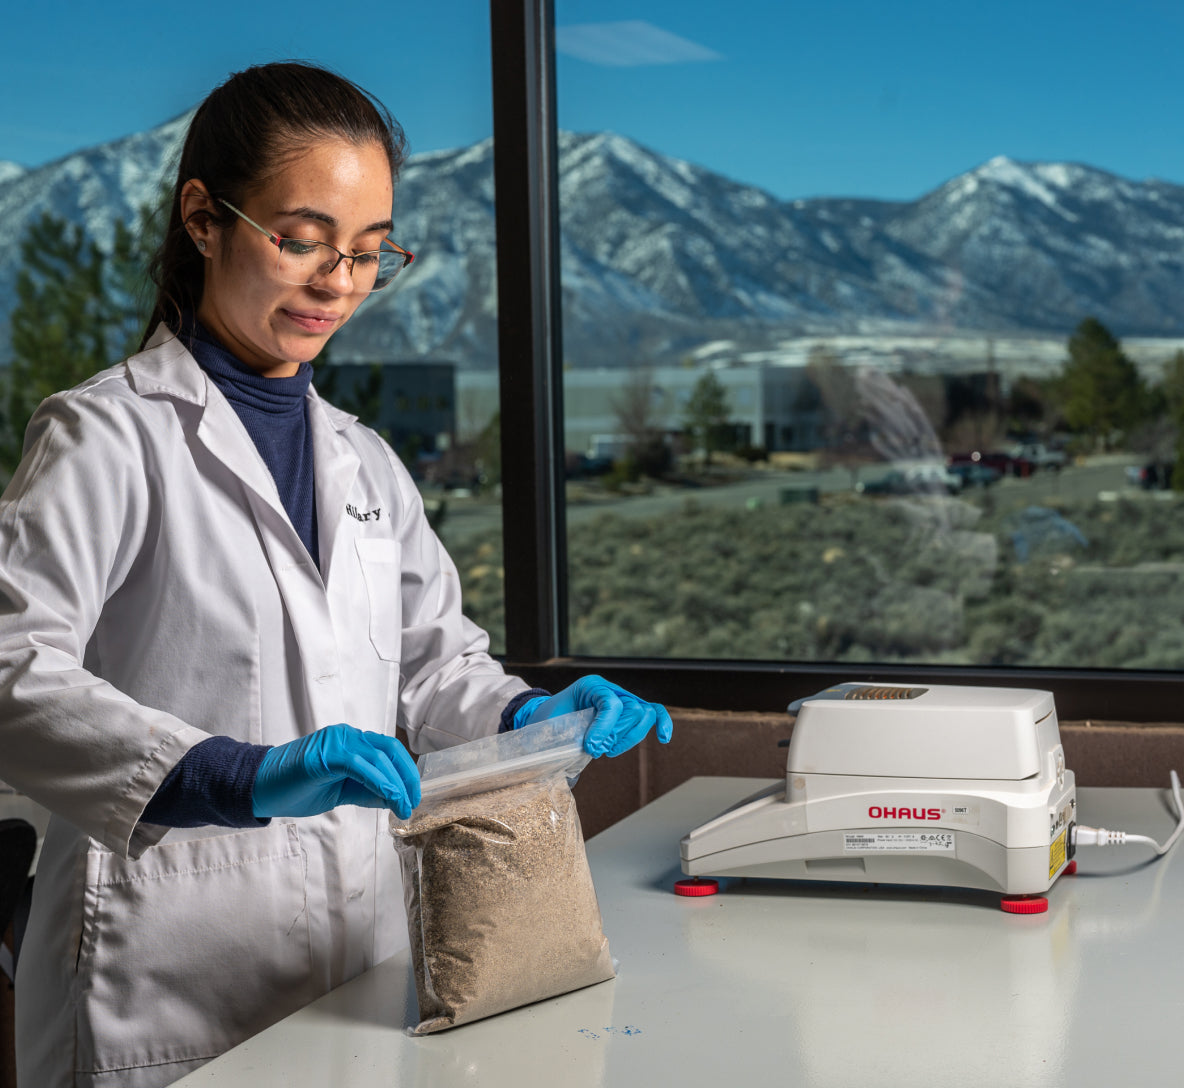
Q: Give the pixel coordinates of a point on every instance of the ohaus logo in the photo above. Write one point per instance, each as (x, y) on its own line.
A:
(878, 812)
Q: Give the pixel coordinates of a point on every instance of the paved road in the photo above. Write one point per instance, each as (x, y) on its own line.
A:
(466, 518)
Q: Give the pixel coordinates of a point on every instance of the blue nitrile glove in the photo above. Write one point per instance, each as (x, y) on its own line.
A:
(337, 765)
(621, 721)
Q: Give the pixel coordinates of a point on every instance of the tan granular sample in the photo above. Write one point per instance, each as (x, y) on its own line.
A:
(501, 910)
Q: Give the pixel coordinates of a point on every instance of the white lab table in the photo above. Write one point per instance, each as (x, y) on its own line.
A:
(805, 985)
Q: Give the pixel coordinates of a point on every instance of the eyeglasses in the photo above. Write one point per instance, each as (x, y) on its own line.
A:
(302, 261)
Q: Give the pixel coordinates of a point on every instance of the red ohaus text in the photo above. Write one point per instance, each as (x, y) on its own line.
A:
(876, 812)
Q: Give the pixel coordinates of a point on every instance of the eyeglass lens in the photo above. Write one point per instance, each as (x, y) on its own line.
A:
(303, 262)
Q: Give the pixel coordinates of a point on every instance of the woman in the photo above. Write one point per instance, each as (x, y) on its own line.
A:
(218, 597)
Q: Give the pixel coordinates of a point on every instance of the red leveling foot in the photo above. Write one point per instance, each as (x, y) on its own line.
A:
(1024, 904)
(696, 886)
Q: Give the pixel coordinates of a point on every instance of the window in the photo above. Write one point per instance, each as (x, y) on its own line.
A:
(95, 159)
(741, 209)
(818, 148)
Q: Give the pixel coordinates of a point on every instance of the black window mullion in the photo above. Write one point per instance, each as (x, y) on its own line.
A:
(525, 157)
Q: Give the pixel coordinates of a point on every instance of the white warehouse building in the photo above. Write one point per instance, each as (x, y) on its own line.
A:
(776, 407)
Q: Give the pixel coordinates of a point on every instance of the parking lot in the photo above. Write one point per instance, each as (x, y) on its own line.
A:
(1105, 476)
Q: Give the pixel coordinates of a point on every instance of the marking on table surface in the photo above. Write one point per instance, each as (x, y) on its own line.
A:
(628, 1029)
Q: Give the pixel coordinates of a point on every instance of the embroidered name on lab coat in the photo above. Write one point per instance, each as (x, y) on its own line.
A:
(369, 515)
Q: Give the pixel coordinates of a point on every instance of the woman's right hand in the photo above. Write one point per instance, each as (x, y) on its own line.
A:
(336, 765)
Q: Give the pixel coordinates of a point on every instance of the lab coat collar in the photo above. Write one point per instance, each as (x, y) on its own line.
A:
(166, 366)
(338, 419)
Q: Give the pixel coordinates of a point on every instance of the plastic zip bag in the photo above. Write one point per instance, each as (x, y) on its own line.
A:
(501, 910)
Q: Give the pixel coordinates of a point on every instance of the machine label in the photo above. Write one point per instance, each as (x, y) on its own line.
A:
(1056, 854)
(892, 812)
(963, 814)
(898, 842)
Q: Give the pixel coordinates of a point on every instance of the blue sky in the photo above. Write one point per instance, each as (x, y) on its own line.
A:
(846, 97)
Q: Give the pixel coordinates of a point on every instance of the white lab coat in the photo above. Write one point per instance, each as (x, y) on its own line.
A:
(154, 592)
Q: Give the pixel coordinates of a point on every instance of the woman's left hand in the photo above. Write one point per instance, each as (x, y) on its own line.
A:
(622, 719)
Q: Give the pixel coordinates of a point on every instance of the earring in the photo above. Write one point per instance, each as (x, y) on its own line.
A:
(201, 247)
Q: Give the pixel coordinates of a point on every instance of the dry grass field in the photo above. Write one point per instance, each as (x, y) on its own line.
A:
(1093, 582)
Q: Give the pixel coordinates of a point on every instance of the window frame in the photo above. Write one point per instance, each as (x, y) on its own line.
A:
(530, 350)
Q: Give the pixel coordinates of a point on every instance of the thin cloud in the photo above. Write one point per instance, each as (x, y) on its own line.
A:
(628, 44)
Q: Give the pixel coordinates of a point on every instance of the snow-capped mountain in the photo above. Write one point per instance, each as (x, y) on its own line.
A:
(660, 256)
(1044, 244)
(93, 187)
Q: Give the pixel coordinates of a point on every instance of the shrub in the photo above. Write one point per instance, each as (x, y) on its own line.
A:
(938, 582)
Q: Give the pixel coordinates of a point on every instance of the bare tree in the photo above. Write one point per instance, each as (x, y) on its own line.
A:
(638, 406)
(845, 431)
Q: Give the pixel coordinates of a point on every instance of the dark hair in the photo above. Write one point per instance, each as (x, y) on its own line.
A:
(245, 131)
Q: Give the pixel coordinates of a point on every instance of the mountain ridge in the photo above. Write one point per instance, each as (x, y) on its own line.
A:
(660, 255)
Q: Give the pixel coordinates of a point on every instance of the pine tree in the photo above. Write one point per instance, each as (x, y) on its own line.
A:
(706, 415)
(128, 292)
(1104, 395)
(78, 311)
(59, 329)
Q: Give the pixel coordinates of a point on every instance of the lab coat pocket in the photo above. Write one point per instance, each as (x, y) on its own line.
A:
(381, 562)
(191, 948)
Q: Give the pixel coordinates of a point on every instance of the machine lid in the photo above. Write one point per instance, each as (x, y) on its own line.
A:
(924, 731)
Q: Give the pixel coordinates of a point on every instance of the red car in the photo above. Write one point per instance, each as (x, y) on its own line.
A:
(1004, 463)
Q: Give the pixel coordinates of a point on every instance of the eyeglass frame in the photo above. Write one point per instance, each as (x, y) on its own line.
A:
(278, 241)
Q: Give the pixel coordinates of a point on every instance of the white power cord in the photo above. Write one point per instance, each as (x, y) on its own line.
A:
(1099, 836)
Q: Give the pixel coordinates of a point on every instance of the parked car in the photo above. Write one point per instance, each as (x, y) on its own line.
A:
(1153, 476)
(892, 482)
(1005, 464)
(975, 473)
(580, 466)
(913, 480)
(1041, 456)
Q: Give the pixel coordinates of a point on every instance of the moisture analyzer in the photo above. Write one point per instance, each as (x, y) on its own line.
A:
(907, 784)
